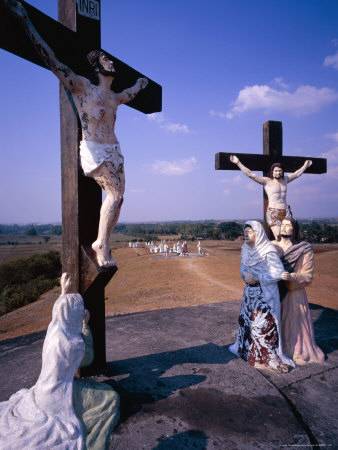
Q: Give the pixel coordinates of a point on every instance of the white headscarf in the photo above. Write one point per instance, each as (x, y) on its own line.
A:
(264, 262)
(263, 246)
(43, 416)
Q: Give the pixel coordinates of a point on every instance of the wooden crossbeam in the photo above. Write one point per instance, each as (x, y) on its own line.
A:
(262, 163)
(71, 44)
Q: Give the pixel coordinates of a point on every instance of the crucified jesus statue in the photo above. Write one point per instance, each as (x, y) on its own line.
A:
(275, 186)
(96, 104)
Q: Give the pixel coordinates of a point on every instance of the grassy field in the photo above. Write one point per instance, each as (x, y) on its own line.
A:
(148, 281)
(25, 246)
(17, 246)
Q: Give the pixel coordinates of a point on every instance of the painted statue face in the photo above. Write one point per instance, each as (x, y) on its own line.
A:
(277, 173)
(249, 237)
(107, 65)
(286, 228)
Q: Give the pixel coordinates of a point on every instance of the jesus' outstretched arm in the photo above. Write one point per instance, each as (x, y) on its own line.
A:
(129, 94)
(299, 172)
(68, 78)
(247, 172)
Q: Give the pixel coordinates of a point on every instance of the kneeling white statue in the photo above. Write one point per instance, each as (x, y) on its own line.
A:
(60, 412)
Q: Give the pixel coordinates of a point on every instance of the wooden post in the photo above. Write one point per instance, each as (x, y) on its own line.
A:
(72, 38)
(273, 147)
(81, 197)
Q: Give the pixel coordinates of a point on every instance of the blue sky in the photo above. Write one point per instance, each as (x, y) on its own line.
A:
(225, 67)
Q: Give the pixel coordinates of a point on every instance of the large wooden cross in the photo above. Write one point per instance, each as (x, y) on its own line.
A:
(272, 153)
(77, 33)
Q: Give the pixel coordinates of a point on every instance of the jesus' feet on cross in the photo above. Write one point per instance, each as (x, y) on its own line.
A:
(103, 255)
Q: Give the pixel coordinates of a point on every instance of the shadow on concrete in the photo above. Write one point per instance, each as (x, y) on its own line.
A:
(216, 419)
(140, 380)
(325, 324)
(189, 439)
(27, 339)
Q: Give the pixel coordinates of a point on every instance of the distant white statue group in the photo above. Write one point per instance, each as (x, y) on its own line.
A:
(176, 248)
(166, 248)
(134, 244)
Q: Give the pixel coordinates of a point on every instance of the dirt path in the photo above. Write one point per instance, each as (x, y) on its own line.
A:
(194, 267)
(146, 282)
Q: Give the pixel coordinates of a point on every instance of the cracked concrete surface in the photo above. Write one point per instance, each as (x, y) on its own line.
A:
(181, 388)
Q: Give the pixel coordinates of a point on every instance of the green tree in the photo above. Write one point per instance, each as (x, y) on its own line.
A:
(56, 229)
(229, 230)
(31, 231)
(24, 280)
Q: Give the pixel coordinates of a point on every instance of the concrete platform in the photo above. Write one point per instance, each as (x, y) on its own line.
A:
(181, 388)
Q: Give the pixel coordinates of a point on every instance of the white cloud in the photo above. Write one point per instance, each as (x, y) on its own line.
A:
(226, 192)
(331, 60)
(321, 189)
(177, 168)
(332, 166)
(176, 127)
(332, 173)
(279, 81)
(167, 125)
(222, 115)
(156, 117)
(304, 100)
(331, 155)
(252, 186)
(333, 136)
(136, 191)
(237, 179)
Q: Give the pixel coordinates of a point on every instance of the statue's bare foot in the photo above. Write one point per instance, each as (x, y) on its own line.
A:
(103, 255)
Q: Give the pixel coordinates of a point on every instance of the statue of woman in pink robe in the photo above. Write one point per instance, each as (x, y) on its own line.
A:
(297, 329)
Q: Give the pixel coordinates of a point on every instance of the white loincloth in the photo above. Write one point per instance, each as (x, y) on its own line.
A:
(93, 154)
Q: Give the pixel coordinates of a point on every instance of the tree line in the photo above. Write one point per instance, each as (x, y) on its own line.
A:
(31, 229)
(24, 280)
(321, 230)
(187, 230)
(312, 231)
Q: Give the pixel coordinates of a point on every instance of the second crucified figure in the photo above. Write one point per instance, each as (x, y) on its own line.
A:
(275, 187)
(96, 105)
